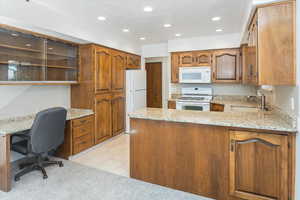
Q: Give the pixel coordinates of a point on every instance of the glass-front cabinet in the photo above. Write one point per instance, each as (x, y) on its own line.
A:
(26, 58)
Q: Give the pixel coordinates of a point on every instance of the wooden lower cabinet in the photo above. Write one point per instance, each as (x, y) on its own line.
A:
(118, 114)
(171, 104)
(79, 136)
(103, 117)
(215, 107)
(216, 162)
(258, 166)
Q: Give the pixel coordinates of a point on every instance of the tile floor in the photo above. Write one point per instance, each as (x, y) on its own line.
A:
(111, 156)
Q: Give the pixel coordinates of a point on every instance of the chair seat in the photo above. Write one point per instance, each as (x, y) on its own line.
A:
(20, 147)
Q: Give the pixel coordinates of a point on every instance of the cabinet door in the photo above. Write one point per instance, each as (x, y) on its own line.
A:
(103, 121)
(103, 70)
(186, 59)
(118, 113)
(175, 68)
(202, 58)
(252, 53)
(226, 66)
(258, 166)
(133, 62)
(118, 71)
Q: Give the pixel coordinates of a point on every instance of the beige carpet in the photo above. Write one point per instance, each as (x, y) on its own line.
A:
(78, 182)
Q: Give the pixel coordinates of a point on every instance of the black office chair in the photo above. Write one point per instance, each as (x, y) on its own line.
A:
(45, 135)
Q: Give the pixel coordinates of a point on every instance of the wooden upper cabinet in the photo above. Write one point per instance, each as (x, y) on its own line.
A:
(133, 61)
(103, 117)
(103, 70)
(186, 59)
(226, 67)
(276, 44)
(175, 68)
(258, 166)
(202, 58)
(118, 113)
(118, 71)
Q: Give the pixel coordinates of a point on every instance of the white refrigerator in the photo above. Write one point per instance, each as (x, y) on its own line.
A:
(136, 92)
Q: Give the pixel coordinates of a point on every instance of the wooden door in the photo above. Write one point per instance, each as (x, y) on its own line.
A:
(118, 71)
(226, 66)
(202, 58)
(118, 113)
(154, 85)
(186, 59)
(258, 166)
(103, 123)
(103, 70)
(175, 68)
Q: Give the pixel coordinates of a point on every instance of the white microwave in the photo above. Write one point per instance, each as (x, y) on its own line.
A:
(195, 74)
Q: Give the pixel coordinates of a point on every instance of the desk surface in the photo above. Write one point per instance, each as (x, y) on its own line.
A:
(17, 124)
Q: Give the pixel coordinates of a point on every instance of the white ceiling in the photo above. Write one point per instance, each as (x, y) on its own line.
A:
(191, 18)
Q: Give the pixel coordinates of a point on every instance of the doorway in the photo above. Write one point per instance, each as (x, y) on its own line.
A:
(154, 85)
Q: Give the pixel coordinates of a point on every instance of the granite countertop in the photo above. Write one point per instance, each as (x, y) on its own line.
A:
(17, 124)
(253, 120)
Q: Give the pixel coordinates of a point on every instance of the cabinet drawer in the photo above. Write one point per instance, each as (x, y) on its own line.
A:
(82, 121)
(82, 130)
(82, 143)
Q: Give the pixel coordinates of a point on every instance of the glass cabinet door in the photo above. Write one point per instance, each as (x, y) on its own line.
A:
(22, 56)
(61, 61)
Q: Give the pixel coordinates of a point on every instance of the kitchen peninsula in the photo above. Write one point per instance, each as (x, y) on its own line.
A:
(220, 155)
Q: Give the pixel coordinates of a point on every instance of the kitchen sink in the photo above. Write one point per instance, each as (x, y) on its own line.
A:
(245, 109)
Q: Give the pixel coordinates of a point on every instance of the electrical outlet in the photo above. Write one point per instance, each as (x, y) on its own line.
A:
(292, 103)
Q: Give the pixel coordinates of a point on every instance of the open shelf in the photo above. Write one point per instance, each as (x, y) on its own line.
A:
(39, 65)
(20, 48)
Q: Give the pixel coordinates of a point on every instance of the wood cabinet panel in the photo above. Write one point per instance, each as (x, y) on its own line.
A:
(226, 67)
(174, 68)
(103, 117)
(186, 59)
(118, 114)
(217, 107)
(171, 104)
(103, 70)
(118, 71)
(258, 166)
(202, 58)
(82, 143)
(276, 43)
(133, 61)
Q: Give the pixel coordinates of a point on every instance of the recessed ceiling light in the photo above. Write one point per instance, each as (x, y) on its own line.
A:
(14, 34)
(101, 18)
(125, 30)
(219, 30)
(178, 34)
(142, 38)
(167, 25)
(216, 18)
(28, 45)
(148, 9)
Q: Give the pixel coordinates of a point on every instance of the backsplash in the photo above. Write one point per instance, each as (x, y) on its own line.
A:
(218, 89)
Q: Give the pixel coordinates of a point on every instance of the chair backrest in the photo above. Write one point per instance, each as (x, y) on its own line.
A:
(48, 130)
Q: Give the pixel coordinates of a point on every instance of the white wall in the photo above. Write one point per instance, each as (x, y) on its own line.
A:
(24, 100)
(203, 43)
(155, 50)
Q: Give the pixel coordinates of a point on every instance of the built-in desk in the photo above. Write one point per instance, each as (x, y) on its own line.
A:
(18, 124)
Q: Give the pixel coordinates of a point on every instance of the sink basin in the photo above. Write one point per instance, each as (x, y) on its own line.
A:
(244, 109)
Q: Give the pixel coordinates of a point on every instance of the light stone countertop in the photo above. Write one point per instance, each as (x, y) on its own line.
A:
(17, 124)
(252, 120)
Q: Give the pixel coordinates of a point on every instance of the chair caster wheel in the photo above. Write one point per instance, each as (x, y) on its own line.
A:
(60, 164)
(45, 177)
(17, 179)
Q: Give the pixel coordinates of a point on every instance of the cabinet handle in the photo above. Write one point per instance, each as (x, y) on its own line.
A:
(83, 121)
(232, 145)
(83, 130)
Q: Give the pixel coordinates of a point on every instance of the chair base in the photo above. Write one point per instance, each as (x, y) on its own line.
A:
(39, 165)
